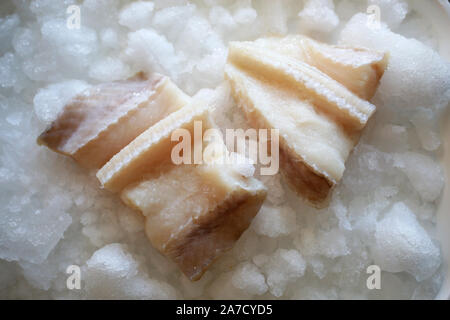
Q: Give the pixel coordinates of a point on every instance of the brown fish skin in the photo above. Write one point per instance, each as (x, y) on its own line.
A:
(151, 148)
(201, 224)
(314, 187)
(311, 172)
(208, 237)
(98, 123)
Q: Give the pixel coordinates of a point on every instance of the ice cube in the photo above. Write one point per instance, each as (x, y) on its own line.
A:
(424, 173)
(152, 52)
(401, 244)
(137, 15)
(222, 19)
(7, 27)
(416, 75)
(49, 101)
(393, 12)
(171, 21)
(109, 69)
(331, 243)
(245, 15)
(109, 38)
(98, 13)
(198, 38)
(390, 138)
(30, 235)
(274, 14)
(274, 222)
(222, 288)
(74, 47)
(25, 41)
(283, 267)
(247, 277)
(113, 273)
(318, 15)
(426, 124)
(10, 75)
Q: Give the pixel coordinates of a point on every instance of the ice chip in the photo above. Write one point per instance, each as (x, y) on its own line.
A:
(424, 173)
(283, 267)
(49, 101)
(137, 15)
(425, 122)
(416, 75)
(113, 273)
(274, 222)
(393, 12)
(248, 278)
(318, 15)
(402, 244)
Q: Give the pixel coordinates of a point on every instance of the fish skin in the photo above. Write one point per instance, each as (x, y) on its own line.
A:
(194, 212)
(99, 122)
(225, 201)
(282, 83)
(326, 93)
(306, 169)
(196, 230)
(149, 149)
(219, 230)
(357, 68)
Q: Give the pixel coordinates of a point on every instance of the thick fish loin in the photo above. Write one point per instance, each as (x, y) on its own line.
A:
(319, 119)
(98, 123)
(194, 212)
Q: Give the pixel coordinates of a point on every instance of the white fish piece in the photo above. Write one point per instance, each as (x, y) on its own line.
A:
(193, 212)
(278, 84)
(325, 93)
(98, 123)
(145, 154)
(357, 68)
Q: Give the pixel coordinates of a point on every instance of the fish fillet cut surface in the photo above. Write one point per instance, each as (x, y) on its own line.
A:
(358, 69)
(98, 123)
(313, 148)
(279, 83)
(194, 213)
(145, 154)
(326, 93)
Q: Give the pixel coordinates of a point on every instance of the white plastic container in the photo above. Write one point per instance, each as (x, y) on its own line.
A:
(440, 11)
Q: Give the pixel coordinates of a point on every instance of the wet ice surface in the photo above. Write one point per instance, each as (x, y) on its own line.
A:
(55, 215)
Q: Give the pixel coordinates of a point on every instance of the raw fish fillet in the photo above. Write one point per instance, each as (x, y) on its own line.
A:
(358, 69)
(149, 150)
(291, 84)
(194, 212)
(98, 123)
(308, 82)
